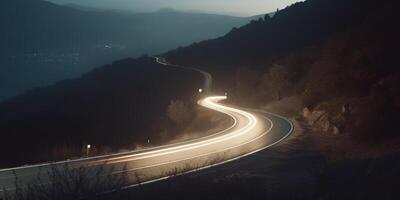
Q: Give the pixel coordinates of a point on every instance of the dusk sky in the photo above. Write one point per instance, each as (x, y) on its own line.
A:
(232, 7)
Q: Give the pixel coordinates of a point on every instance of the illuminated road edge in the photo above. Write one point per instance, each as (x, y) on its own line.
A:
(228, 160)
(249, 133)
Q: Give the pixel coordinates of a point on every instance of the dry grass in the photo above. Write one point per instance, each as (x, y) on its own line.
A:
(206, 123)
(65, 183)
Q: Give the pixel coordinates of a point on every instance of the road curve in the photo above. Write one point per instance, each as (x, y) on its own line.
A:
(207, 76)
(251, 131)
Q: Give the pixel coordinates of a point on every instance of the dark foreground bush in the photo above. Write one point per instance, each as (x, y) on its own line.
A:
(64, 183)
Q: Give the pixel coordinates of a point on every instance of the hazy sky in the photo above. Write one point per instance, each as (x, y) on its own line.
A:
(233, 7)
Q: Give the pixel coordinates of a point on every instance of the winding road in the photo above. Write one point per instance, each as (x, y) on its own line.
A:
(250, 131)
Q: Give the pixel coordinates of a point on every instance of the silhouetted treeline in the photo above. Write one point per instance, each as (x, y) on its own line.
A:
(116, 106)
(263, 41)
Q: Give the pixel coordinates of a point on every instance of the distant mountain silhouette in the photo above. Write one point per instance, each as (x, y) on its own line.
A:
(43, 42)
(83, 8)
(35, 25)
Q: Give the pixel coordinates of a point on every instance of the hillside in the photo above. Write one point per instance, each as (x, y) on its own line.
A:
(118, 106)
(267, 39)
(336, 71)
(43, 42)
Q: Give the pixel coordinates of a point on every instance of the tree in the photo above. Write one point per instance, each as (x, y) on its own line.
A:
(276, 80)
(246, 82)
(180, 112)
(267, 17)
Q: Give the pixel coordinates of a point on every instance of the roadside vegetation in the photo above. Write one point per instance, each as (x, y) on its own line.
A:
(65, 183)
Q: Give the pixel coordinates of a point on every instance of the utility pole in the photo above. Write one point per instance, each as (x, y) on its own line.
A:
(88, 150)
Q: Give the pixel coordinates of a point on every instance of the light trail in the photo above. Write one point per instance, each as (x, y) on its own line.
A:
(209, 102)
(250, 132)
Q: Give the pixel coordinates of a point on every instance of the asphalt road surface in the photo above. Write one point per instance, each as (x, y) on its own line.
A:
(250, 131)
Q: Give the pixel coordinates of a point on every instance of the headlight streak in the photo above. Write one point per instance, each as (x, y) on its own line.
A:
(246, 135)
(208, 102)
(207, 154)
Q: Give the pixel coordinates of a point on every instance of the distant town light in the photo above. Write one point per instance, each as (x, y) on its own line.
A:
(88, 146)
(200, 90)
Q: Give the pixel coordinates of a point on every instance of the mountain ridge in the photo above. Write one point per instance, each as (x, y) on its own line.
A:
(43, 42)
(269, 38)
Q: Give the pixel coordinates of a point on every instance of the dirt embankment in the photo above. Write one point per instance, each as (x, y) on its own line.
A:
(326, 129)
